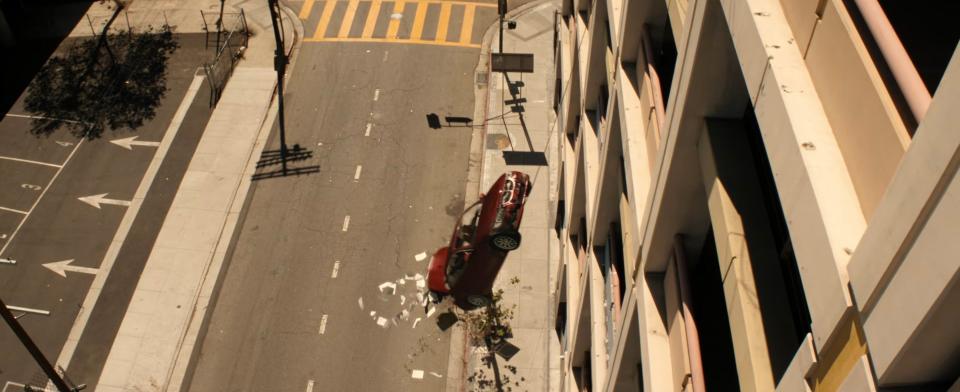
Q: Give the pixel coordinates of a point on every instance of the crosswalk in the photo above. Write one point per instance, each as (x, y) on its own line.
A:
(430, 22)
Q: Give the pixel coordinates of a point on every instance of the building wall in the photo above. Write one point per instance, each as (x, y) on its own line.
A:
(762, 137)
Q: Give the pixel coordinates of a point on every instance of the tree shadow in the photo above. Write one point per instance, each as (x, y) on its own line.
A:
(110, 82)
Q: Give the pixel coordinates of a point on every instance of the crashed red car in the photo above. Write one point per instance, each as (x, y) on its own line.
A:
(484, 234)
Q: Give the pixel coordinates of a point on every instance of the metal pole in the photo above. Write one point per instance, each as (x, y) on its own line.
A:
(280, 64)
(219, 27)
(33, 349)
(502, 8)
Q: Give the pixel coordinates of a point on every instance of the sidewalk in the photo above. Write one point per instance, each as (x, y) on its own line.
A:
(156, 339)
(522, 141)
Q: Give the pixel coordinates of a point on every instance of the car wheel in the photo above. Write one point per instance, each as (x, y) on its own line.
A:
(506, 241)
(478, 300)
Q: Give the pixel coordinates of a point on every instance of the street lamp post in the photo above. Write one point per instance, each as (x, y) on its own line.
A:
(33, 349)
(502, 10)
(280, 64)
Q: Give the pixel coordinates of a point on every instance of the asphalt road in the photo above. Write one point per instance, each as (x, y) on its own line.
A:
(300, 304)
(42, 221)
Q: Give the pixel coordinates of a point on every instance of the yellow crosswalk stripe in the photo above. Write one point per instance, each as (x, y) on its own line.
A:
(417, 30)
(371, 21)
(324, 19)
(347, 20)
(444, 22)
(395, 23)
(305, 11)
(466, 28)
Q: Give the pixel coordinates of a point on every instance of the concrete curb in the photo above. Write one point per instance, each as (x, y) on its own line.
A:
(460, 361)
(182, 369)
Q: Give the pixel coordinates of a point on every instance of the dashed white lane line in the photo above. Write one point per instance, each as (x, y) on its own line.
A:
(323, 324)
(310, 386)
(13, 210)
(376, 95)
(336, 269)
(346, 222)
(40, 117)
(30, 162)
(119, 238)
(356, 175)
(386, 54)
(367, 132)
(29, 310)
(8, 261)
(43, 192)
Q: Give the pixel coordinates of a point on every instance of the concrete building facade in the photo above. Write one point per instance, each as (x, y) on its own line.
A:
(757, 195)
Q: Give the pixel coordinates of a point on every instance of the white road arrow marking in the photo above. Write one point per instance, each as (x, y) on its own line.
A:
(97, 200)
(61, 268)
(129, 142)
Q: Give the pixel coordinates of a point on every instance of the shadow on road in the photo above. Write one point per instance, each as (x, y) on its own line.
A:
(272, 158)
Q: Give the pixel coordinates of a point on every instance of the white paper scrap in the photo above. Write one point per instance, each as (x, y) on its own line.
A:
(415, 322)
(430, 312)
(382, 322)
(417, 374)
(403, 300)
(360, 301)
(392, 286)
(437, 375)
(421, 283)
(420, 256)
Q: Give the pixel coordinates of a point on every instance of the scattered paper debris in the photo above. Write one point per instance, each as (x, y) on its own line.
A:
(421, 283)
(437, 375)
(419, 298)
(420, 256)
(388, 285)
(373, 313)
(431, 311)
(404, 315)
(417, 374)
(382, 322)
(360, 301)
(415, 322)
(403, 300)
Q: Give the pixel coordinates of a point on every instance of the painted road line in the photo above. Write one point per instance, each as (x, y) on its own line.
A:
(8, 261)
(367, 132)
(346, 222)
(418, 20)
(30, 162)
(466, 28)
(356, 174)
(129, 142)
(66, 353)
(444, 22)
(394, 25)
(305, 11)
(29, 310)
(394, 41)
(310, 384)
(328, 7)
(386, 54)
(61, 268)
(371, 21)
(97, 200)
(347, 20)
(43, 192)
(40, 118)
(376, 95)
(13, 210)
(336, 269)
(323, 324)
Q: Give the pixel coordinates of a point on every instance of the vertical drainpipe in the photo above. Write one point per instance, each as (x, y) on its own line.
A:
(693, 337)
(896, 57)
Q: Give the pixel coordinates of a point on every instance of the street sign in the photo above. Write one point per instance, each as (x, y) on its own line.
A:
(511, 62)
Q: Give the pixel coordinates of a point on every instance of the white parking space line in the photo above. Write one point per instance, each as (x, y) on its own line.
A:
(40, 117)
(13, 210)
(29, 310)
(37, 201)
(336, 269)
(346, 222)
(367, 132)
(29, 161)
(376, 95)
(310, 386)
(66, 353)
(356, 175)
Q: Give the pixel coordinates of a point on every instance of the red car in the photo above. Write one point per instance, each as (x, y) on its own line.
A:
(484, 233)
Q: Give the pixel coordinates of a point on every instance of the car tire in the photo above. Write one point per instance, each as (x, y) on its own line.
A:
(506, 241)
(479, 301)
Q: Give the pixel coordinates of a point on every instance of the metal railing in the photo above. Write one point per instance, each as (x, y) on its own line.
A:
(231, 41)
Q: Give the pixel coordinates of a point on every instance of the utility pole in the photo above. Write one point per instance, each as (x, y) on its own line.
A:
(502, 10)
(280, 64)
(33, 349)
(219, 27)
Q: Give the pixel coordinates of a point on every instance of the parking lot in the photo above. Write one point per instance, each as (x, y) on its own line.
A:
(78, 218)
